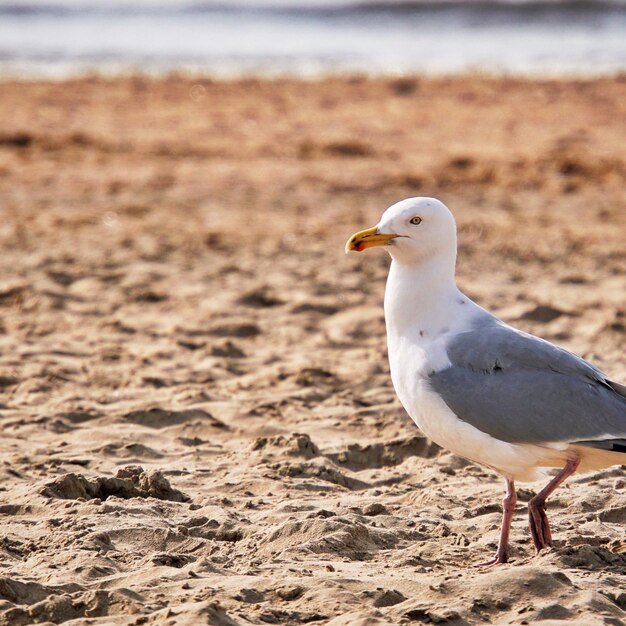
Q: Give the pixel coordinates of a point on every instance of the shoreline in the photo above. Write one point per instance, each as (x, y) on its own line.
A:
(19, 76)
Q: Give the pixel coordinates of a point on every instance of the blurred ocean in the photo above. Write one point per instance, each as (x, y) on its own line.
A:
(308, 37)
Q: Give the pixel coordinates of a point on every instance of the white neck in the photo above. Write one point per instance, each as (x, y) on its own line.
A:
(422, 300)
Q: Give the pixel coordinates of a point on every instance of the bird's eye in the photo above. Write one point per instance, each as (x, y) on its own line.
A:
(416, 220)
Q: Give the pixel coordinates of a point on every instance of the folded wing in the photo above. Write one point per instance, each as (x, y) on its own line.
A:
(522, 389)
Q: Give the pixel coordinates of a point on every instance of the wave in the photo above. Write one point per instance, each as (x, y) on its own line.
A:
(138, 7)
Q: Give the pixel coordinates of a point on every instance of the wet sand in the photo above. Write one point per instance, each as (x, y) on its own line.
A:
(198, 421)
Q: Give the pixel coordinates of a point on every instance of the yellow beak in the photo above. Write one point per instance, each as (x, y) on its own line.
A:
(368, 239)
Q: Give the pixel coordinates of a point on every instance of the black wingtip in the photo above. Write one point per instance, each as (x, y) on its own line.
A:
(610, 445)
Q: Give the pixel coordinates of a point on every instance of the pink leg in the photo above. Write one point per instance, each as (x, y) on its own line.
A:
(537, 518)
(508, 508)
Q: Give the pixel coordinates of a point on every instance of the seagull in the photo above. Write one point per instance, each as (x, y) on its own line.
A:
(478, 387)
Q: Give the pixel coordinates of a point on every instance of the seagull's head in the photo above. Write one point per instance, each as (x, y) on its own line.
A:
(412, 231)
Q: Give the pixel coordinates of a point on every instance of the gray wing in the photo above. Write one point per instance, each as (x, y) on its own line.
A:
(522, 389)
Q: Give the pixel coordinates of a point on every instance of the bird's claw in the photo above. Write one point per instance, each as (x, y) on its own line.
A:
(539, 525)
(498, 559)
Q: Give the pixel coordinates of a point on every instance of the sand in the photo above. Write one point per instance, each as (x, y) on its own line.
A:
(198, 425)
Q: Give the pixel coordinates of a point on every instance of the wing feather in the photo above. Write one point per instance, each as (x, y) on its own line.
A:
(522, 389)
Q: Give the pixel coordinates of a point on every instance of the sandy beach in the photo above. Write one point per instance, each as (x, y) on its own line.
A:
(198, 423)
